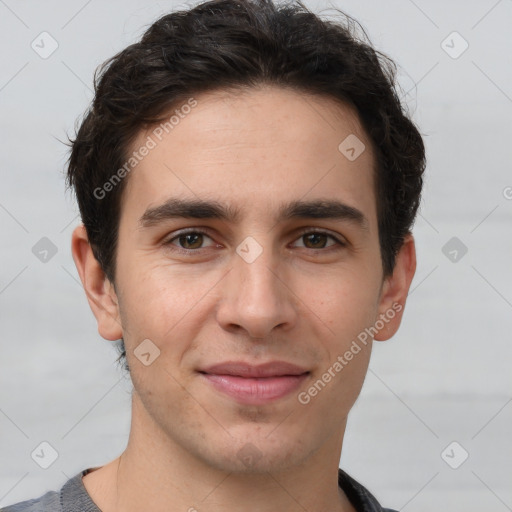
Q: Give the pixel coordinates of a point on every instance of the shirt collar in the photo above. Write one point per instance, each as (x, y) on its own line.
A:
(360, 497)
(74, 495)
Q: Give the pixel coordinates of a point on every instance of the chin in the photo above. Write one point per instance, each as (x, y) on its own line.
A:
(255, 454)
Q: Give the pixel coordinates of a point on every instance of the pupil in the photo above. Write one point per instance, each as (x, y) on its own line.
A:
(190, 236)
(313, 235)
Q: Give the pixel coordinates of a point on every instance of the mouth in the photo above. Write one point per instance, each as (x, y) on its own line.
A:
(255, 385)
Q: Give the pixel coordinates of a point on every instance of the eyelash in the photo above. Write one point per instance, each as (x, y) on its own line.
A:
(196, 231)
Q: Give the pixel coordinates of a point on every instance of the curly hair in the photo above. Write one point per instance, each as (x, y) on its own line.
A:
(240, 44)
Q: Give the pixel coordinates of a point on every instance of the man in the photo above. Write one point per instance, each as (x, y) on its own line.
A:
(247, 182)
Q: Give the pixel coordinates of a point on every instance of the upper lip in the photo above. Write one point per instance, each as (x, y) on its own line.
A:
(239, 368)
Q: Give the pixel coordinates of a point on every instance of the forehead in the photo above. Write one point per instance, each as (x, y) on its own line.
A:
(254, 149)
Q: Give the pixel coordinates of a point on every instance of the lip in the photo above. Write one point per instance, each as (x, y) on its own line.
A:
(255, 385)
(242, 369)
(255, 391)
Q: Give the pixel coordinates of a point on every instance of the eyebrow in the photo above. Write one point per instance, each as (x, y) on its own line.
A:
(208, 209)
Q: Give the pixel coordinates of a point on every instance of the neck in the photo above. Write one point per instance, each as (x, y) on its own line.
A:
(154, 469)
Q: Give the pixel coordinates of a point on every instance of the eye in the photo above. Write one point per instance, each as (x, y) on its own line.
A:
(318, 239)
(193, 240)
(188, 240)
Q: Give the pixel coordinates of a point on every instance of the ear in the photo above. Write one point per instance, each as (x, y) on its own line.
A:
(395, 289)
(99, 290)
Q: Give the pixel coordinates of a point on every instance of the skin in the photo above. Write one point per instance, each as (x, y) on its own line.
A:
(302, 300)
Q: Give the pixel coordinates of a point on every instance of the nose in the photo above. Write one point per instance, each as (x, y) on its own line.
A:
(257, 298)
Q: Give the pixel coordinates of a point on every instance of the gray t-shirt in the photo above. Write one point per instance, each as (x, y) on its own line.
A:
(73, 497)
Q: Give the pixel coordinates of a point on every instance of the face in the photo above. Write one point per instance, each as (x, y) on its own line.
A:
(282, 264)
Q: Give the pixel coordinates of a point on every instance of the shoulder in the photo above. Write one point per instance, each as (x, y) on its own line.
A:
(49, 502)
(360, 497)
(71, 497)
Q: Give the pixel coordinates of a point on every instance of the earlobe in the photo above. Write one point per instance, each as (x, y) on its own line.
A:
(395, 290)
(98, 289)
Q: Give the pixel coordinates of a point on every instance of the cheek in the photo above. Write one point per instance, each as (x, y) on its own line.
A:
(167, 305)
(155, 292)
(345, 301)
(347, 306)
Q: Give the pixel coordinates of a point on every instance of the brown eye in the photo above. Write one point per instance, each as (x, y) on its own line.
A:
(191, 240)
(317, 240)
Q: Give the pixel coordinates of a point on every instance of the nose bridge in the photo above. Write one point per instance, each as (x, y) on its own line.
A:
(255, 269)
(258, 301)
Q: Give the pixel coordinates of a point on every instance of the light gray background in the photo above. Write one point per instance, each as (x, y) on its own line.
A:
(444, 377)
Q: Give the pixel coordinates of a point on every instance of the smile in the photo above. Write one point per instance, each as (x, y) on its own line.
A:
(255, 390)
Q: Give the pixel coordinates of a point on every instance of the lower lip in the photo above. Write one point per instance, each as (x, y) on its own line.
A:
(255, 391)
